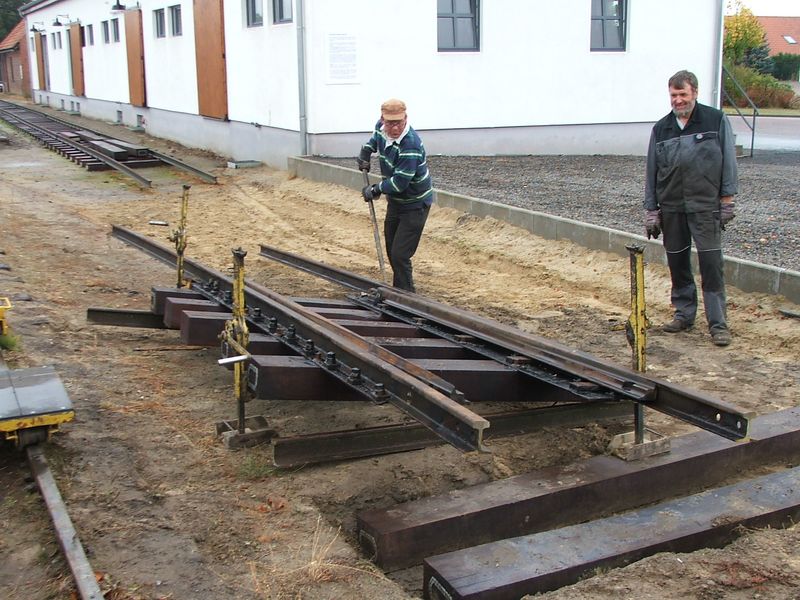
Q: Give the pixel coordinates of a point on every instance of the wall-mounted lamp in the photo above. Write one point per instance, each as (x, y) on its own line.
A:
(118, 6)
(35, 29)
(57, 23)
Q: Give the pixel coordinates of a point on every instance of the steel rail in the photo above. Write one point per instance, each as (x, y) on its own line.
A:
(208, 177)
(372, 371)
(143, 181)
(698, 409)
(71, 546)
(205, 176)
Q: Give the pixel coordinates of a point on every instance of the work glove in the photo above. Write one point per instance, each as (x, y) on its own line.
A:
(363, 161)
(726, 213)
(371, 192)
(652, 223)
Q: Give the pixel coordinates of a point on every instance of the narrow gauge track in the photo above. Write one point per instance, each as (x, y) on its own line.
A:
(494, 362)
(90, 149)
(31, 441)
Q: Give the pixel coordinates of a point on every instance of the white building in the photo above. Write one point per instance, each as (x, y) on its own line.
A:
(268, 79)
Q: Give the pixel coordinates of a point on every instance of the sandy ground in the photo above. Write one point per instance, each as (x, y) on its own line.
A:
(166, 512)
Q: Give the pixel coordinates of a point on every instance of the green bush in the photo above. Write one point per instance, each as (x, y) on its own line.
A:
(764, 90)
(787, 66)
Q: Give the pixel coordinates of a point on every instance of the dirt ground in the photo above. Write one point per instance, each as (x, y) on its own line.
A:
(166, 512)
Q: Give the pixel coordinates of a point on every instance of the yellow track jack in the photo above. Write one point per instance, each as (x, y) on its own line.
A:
(642, 441)
(178, 237)
(245, 431)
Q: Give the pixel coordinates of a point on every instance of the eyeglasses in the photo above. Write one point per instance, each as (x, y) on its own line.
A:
(394, 123)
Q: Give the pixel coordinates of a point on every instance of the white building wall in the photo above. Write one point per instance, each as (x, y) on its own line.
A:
(534, 66)
(170, 62)
(261, 69)
(534, 86)
(105, 64)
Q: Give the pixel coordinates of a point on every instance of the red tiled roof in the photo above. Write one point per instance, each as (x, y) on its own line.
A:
(776, 28)
(14, 37)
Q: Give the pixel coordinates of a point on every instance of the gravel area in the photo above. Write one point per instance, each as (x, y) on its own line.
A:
(608, 191)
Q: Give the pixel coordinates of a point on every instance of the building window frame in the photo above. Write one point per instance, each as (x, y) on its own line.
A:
(159, 23)
(90, 35)
(175, 20)
(281, 11)
(458, 27)
(609, 26)
(115, 30)
(106, 34)
(254, 10)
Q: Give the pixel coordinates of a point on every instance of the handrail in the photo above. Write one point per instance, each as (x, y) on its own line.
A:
(731, 101)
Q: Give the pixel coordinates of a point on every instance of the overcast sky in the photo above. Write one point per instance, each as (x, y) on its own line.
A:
(768, 8)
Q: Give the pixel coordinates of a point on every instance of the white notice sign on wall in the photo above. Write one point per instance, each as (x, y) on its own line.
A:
(342, 50)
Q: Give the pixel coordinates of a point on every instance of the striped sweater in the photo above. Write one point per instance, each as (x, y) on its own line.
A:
(404, 167)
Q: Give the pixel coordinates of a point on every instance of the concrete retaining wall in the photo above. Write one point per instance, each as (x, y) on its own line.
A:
(746, 275)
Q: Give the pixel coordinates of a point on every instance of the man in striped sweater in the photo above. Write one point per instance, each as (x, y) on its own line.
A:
(406, 184)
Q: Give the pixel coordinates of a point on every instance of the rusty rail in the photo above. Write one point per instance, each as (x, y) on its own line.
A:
(541, 357)
(373, 372)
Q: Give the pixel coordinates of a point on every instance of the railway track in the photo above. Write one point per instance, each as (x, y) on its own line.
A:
(90, 149)
(428, 360)
(435, 363)
(44, 383)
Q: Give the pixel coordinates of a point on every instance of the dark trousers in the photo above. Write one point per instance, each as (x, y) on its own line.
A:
(680, 229)
(402, 230)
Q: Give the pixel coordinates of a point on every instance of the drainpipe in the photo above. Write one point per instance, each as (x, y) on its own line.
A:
(301, 77)
(719, 37)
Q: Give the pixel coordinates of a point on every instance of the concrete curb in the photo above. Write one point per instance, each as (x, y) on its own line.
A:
(745, 275)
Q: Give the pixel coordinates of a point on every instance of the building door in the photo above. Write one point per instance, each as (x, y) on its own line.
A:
(41, 60)
(209, 35)
(134, 40)
(76, 59)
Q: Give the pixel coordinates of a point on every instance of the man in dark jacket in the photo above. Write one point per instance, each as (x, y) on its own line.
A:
(691, 179)
(406, 184)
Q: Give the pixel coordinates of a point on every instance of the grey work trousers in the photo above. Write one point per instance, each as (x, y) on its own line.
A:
(680, 229)
(402, 230)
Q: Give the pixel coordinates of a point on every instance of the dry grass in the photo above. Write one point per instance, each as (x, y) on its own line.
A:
(317, 569)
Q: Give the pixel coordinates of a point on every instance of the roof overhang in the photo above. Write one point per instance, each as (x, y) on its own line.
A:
(32, 7)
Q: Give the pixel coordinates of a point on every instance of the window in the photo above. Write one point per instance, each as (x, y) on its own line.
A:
(255, 13)
(175, 26)
(789, 39)
(281, 11)
(457, 25)
(53, 40)
(106, 37)
(90, 35)
(115, 29)
(58, 40)
(158, 23)
(608, 25)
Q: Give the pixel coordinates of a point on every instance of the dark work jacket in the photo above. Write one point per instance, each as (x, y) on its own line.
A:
(689, 169)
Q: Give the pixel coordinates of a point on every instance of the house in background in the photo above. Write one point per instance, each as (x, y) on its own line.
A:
(14, 70)
(270, 79)
(783, 35)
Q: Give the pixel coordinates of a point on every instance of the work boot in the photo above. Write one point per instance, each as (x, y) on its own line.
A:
(721, 337)
(677, 325)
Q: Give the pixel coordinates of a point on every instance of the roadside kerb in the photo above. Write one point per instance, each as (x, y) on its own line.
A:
(745, 275)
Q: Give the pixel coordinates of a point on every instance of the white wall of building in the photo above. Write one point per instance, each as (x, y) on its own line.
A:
(534, 67)
(261, 69)
(170, 63)
(534, 86)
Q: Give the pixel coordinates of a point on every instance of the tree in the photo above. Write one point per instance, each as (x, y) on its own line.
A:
(743, 33)
(9, 16)
(759, 60)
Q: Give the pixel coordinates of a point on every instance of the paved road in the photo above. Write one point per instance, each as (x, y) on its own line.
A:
(772, 133)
